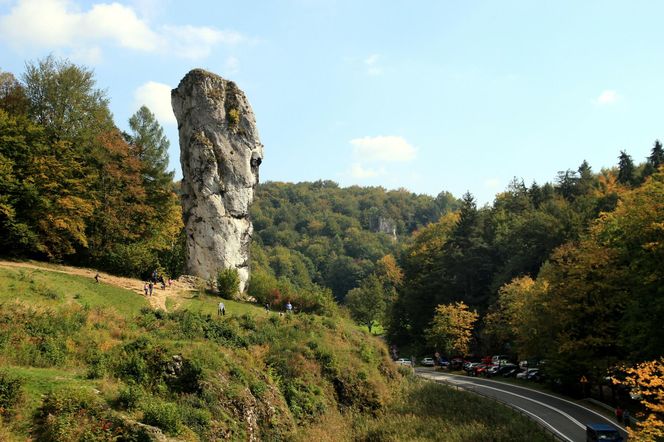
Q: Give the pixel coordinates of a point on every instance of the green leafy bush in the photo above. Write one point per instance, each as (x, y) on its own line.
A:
(130, 396)
(228, 282)
(164, 415)
(75, 415)
(306, 401)
(195, 415)
(11, 388)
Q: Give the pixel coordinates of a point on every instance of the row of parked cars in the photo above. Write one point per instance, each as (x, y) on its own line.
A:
(504, 369)
(489, 366)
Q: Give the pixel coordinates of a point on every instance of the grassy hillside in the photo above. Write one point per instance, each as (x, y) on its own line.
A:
(86, 361)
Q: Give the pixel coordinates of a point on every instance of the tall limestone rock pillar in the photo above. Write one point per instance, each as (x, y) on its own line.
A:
(220, 153)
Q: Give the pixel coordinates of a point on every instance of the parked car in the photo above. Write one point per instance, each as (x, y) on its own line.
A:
(481, 369)
(504, 369)
(495, 370)
(404, 361)
(499, 359)
(529, 374)
(427, 362)
(602, 432)
(511, 372)
(456, 364)
(525, 373)
(443, 362)
(469, 367)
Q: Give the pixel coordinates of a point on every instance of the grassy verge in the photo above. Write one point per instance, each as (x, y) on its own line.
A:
(425, 411)
(52, 289)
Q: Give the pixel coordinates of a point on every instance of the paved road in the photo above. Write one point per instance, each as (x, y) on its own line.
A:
(564, 417)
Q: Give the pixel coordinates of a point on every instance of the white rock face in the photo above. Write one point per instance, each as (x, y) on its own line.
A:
(220, 152)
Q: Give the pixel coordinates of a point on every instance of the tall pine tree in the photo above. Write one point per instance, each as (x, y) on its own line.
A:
(625, 169)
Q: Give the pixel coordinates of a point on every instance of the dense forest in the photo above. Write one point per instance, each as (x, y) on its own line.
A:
(570, 272)
(74, 187)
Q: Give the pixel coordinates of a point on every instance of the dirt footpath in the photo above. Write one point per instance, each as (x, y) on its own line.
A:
(157, 300)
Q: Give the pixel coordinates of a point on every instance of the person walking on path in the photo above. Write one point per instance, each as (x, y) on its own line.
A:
(145, 288)
(289, 307)
(97, 278)
(619, 414)
(150, 287)
(221, 310)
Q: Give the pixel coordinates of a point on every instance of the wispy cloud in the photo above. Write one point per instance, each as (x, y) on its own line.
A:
(371, 155)
(157, 97)
(61, 24)
(372, 66)
(383, 148)
(607, 97)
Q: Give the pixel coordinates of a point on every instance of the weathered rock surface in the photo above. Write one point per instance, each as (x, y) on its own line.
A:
(220, 153)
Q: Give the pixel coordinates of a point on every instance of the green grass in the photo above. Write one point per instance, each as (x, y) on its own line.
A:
(303, 375)
(425, 411)
(52, 289)
(208, 304)
(37, 381)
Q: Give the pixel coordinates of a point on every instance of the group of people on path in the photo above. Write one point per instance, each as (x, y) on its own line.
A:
(155, 278)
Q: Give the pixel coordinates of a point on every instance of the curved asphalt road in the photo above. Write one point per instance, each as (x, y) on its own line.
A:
(565, 418)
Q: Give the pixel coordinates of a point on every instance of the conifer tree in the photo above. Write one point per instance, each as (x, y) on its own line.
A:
(150, 145)
(625, 169)
(655, 160)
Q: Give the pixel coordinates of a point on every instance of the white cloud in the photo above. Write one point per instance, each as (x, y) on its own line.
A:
(607, 97)
(61, 24)
(371, 63)
(360, 172)
(90, 55)
(157, 97)
(383, 148)
(197, 42)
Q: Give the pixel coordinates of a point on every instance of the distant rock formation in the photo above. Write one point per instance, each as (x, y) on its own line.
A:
(381, 224)
(387, 226)
(220, 152)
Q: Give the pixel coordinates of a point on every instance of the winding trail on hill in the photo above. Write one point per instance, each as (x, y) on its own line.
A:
(157, 300)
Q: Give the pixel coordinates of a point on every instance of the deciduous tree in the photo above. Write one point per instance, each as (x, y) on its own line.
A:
(451, 328)
(647, 379)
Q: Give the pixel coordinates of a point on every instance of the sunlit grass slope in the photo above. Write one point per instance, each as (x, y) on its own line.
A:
(81, 361)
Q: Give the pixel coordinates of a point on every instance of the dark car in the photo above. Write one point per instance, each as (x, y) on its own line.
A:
(456, 364)
(602, 432)
(506, 368)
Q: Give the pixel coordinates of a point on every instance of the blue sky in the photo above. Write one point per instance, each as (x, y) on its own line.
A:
(425, 95)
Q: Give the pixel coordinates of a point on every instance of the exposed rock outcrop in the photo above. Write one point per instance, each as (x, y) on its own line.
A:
(220, 153)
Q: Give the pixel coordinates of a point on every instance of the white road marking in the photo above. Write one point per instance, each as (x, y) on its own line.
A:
(452, 379)
(551, 427)
(540, 392)
(537, 402)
